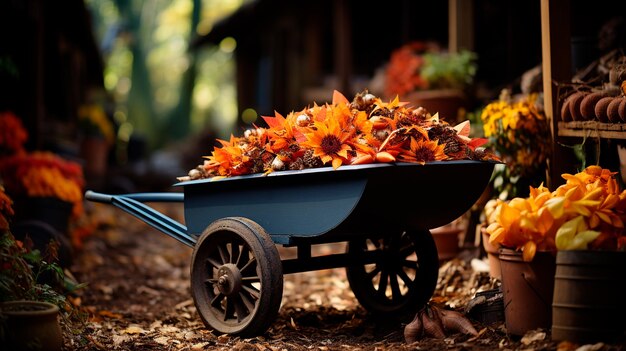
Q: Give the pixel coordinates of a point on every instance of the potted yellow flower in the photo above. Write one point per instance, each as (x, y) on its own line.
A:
(519, 132)
(580, 224)
(97, 136)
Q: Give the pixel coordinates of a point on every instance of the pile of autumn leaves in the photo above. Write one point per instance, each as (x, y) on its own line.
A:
(587, 212)
(365, 130)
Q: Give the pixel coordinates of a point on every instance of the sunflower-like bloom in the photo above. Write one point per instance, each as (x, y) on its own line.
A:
(329, 140)
(423, 150)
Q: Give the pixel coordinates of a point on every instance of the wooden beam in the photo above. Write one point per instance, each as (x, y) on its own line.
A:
(595, 129)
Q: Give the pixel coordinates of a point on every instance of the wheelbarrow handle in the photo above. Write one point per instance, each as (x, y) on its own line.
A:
(133, 204)
(142, 197)
(98, 197)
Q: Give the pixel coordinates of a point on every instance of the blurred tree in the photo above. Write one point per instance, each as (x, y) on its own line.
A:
(179, 122)
(165, 91)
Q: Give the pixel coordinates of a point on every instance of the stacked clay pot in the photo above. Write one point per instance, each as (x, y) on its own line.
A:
(594, 106)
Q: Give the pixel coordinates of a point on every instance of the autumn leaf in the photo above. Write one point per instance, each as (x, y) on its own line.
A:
(274, 122)
(463, 128)
(477, 142)
(339, 98)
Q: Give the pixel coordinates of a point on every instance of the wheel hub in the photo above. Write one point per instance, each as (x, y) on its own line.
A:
(229, 279)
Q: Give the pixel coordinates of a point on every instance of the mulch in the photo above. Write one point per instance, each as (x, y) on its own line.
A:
(138, 297)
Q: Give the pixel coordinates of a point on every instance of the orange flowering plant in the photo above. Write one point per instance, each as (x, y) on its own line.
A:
(421, 65)
(39, 173)
(6, 210)
(364, 130)
(13, 135)
(587, 212)
(43, 174)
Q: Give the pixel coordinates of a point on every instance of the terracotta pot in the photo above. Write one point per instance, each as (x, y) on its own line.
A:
(31, 325)
(588, 304)
(447, 102)
(95, 152)
(44, 219)
(493, 257)
(527, 288)
(95, 155)
(47, 209)
(447, 241)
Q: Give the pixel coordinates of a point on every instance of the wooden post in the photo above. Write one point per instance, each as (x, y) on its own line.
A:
(343, 49)
(556, 65)
(460, 25)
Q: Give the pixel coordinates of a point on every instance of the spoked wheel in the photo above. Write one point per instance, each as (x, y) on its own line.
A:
(394, 274)
(236, 277)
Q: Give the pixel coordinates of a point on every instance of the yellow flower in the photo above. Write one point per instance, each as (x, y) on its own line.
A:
(95, 122)
(587, 207)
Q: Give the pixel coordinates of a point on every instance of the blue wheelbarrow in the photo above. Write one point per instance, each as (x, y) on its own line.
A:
(382, 211)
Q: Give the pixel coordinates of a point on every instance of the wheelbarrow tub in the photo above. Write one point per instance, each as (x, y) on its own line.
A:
(329, 205)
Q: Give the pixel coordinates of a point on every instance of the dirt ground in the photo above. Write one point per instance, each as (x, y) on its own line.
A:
(138, 298)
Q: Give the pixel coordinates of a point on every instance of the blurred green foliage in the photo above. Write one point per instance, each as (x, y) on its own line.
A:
(162, 90)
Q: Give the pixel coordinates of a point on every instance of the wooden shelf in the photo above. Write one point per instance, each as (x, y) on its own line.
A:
(593, 129)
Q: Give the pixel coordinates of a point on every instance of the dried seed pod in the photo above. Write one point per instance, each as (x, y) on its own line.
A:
(278, 164)
(303, 120)
(601, 108)
(574, 105)
(612, 111)
(369, 98)
(455, 322)
(432, 323)
(414, 330)
(588, 105)
(194, 174)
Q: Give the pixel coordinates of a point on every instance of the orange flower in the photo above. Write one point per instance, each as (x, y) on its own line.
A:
(229, 159)
(361, 131)
(329, 141)
(13, 135)
(43, 174)
(282, 132)
(422, 151)
(6, 209)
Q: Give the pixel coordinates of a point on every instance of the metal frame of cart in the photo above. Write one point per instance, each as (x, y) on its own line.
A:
(383, 211)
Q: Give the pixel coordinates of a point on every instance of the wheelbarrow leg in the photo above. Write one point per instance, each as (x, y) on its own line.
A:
(236, 277)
